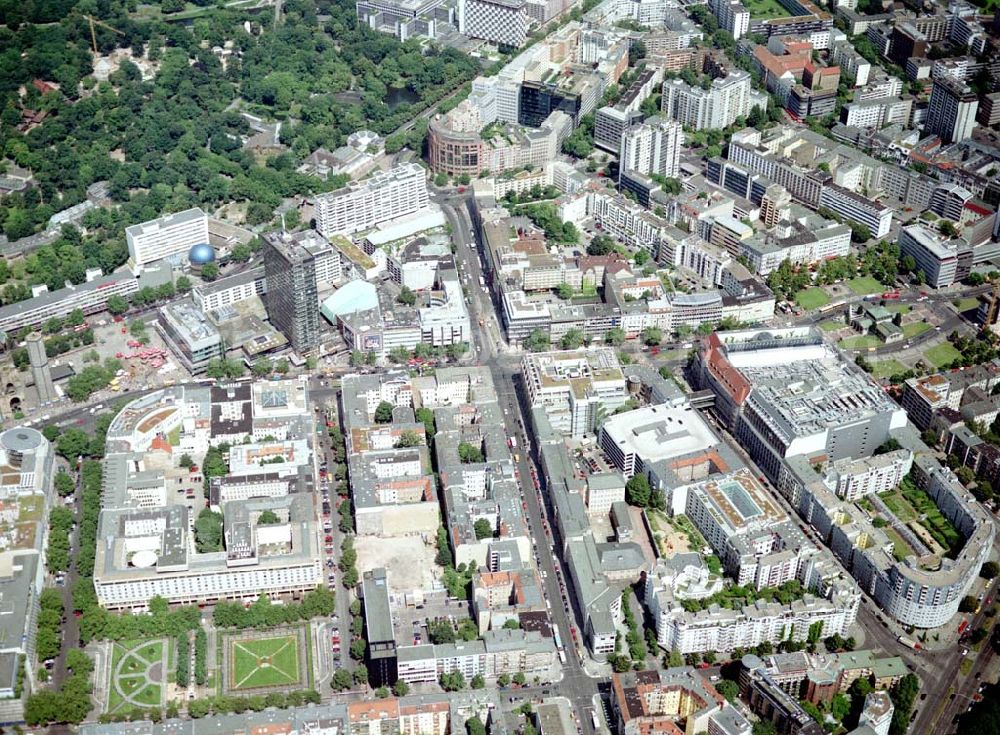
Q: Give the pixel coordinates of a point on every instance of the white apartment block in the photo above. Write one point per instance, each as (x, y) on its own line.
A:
(172, 234)
(852, 64)
(877, 113)
(732, 17)
(654, 147)
(724, 630)
(626, 221)
(503, 22)
(713, 108)
(195, 585)
(362, 205)
(89, 297)
(264, 485)
(879, 89)
(852, 479)
(573, 386)
(229, 291)
(857, 208)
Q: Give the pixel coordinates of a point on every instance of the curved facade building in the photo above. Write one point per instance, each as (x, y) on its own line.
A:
(794, 403)
(454, 151)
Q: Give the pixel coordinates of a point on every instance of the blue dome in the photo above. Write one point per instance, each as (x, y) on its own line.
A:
(201, 253)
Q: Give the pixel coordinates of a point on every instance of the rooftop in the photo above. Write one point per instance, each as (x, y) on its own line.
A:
(660, 432)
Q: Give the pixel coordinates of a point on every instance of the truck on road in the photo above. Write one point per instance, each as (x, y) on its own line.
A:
(909, 643)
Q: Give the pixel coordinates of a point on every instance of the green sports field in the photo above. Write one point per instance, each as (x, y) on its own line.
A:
(265, 662)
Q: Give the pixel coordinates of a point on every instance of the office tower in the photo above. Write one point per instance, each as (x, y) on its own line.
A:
(380, 657)
(951, 112)
(363, 204)
(292, 301)
(40, 368)
(654, 147)
(503, 22)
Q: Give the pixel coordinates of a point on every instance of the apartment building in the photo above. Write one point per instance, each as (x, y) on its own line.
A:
(717, 107)
(869, 212)
(652, 147)
(361, 205)
(90, 297)
(229, 290)
(574, 387)
(951, 110)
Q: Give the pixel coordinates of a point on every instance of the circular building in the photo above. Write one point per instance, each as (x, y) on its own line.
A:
(201, 254)
(455, 149)
(20, 440)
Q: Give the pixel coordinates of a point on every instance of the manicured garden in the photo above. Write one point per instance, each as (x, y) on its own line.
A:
(265, 662)
(137, 675)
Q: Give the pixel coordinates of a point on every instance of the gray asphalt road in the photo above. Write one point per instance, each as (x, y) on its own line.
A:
(576, 685)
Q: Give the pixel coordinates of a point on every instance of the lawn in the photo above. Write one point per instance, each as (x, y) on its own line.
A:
(937, 525)
(887, 368)
(764, 9)
(860, 342)
(916, 328)
(899, 308)
(966, 304)
(30, 508)
(942, 354)
(812, 298)
(899, 507)
(864, 285)
(831, 326)
(265, 662)
(900, 549)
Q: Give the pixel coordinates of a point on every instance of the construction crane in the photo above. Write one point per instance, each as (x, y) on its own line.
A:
(94, 21)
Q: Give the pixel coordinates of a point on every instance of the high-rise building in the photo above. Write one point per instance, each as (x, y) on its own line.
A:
(774, 205)
(363, 204)
(654, 147)
(733, 17)
(713, 108)
(503, 22)
(292, 300)
(39, 362)
(170, 235)
(380, 656)
(951, 111)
